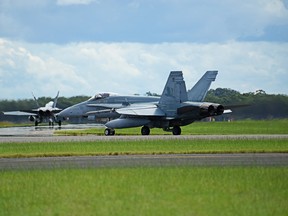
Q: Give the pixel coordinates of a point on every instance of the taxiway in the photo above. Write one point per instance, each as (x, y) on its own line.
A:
(172, 160)
(45, 134)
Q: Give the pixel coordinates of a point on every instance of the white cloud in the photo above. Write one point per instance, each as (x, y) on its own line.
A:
(22, 71)
(128, 68)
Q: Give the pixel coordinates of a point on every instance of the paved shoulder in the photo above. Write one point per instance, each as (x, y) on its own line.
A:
(267, 159)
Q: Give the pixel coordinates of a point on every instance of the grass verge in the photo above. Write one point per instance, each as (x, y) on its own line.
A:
(201, 128)
(146, 191)
(122, 147)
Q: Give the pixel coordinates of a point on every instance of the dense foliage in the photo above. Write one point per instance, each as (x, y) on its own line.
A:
(260, 104)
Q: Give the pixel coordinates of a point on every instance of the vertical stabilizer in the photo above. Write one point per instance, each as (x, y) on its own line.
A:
(55, 100)
(200, 89)
(175, 89)
(36, 101)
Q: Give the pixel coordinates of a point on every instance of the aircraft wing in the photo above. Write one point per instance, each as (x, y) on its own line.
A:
(28, 112)
(148, 110)
(20, 113)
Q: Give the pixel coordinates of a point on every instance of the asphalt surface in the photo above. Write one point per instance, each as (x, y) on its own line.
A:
(45, 134)
(171, 160)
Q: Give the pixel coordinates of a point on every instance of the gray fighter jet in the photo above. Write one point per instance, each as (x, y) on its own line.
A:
(173, 109)
(103, 105)
(40, 114)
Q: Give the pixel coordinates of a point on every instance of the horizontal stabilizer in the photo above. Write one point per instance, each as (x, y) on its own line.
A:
(227, 111)
(19, 113)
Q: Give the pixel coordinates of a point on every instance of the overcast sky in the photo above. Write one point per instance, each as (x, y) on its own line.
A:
(81, 47)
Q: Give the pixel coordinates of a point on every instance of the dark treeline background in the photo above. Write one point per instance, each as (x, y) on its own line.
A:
(261, 105)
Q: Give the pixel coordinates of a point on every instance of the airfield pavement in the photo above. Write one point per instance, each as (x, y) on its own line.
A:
(249, 159)
(45, 134)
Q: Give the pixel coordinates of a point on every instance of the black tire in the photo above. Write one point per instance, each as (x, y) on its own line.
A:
(145, 130)
(176, 130)
(112, 132)
(109, 132)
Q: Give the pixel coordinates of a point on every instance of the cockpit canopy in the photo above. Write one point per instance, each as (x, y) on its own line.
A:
(102, 95)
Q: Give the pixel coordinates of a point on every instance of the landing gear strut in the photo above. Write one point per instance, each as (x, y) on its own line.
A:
(109, 132)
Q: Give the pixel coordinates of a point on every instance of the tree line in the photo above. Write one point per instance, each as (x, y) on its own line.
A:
(259, 105)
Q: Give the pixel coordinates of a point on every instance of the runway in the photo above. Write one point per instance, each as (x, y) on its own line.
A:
(45, 134)
(169, 160)
(42, 130)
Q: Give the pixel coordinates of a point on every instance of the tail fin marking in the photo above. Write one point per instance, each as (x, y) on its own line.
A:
(175, 89)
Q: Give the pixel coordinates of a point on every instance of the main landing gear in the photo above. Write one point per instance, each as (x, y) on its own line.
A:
(145, 131)
(176, 130)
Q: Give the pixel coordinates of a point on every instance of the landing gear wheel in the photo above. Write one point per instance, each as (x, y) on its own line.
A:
(36, 123)
(109, 132)
(112, 132)
(145, 130)
(176, 130)
(59, 123)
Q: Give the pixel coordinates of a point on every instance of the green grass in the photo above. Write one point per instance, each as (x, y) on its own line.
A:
(202, 128)
(11, 124)
(142, 147)
(146, 191)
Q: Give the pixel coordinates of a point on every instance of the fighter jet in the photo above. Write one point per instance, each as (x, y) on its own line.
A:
(173, 109)
(103, 105)
(40, 113)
